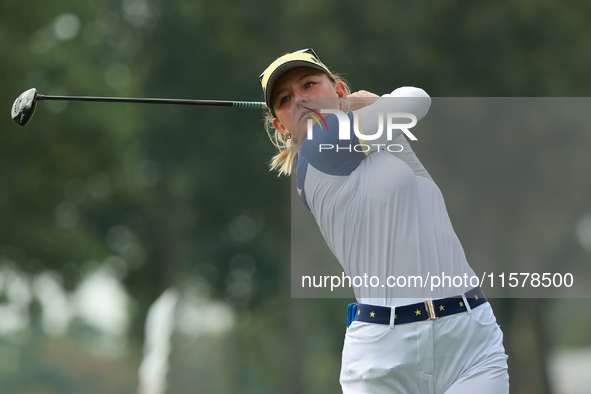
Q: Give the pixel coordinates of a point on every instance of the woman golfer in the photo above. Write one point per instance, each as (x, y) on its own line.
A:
(382, 216)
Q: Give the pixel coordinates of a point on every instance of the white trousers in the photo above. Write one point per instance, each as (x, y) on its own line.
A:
(457, 354)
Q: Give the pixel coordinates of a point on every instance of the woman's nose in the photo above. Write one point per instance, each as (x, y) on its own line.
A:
(299, 98)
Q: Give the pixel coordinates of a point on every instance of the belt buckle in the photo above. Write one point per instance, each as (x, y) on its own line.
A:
(430, 310)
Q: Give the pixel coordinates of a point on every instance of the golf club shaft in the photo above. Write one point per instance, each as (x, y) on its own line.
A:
(221, 103)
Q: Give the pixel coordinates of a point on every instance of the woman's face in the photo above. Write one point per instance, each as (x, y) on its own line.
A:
(302, 88)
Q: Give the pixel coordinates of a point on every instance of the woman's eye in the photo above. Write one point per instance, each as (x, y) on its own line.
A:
(284, 100)
(308, 85)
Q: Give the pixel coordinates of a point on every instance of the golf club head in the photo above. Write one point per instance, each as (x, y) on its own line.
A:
(24, 107)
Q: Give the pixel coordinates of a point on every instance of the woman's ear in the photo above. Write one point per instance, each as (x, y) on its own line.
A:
(340, 89)
(280, 127)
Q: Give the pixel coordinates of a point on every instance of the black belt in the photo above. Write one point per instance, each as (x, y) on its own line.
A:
(427, 310)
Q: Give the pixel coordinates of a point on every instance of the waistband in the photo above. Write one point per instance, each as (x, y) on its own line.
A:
(426, 310)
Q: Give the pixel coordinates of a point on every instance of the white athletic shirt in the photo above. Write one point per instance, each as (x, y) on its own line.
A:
(380, 213)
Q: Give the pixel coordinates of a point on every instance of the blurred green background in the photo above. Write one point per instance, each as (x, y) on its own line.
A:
(146, 248)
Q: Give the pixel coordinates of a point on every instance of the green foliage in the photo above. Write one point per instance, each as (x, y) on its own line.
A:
(189, 185)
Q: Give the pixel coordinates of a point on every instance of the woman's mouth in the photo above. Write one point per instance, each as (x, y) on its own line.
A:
(304, 114)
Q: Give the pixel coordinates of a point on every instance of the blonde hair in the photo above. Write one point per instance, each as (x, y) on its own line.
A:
(283, 160)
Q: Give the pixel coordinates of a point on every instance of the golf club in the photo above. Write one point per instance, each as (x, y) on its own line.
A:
(24, 106)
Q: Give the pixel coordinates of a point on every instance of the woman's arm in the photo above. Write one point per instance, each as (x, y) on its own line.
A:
(331, 155)
(407, 99)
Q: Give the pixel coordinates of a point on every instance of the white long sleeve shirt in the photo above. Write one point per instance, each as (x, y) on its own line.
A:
(380, 213)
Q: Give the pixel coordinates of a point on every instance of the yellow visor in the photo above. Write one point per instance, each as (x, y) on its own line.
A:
(302, 58)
